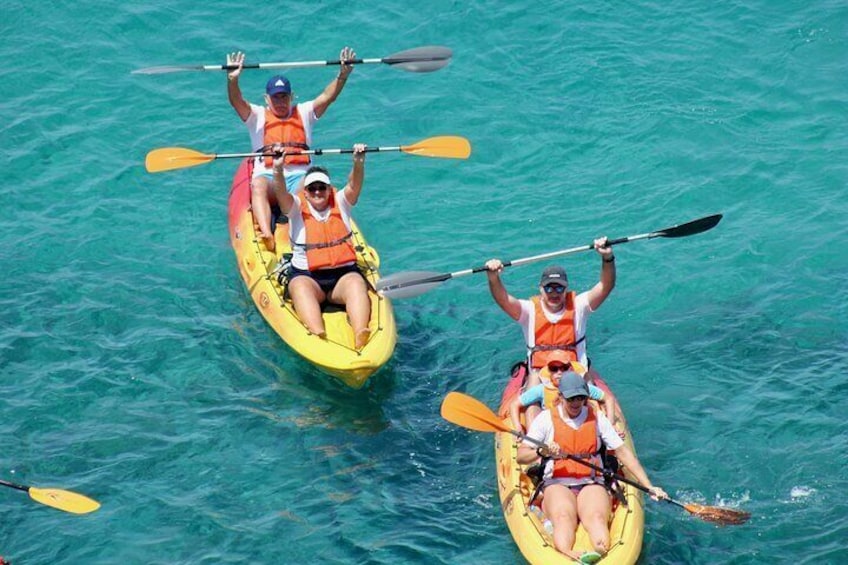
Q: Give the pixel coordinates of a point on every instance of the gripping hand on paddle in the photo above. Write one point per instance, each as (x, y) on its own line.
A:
(235, 58)
(657, 493)
(604, 249)
(346, 54)
(494, 267)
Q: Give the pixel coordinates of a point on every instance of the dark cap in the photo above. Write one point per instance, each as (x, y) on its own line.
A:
(554, 275)
(278, 84)
(571, 384)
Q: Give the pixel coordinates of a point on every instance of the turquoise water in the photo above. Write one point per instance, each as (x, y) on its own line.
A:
(135, 369)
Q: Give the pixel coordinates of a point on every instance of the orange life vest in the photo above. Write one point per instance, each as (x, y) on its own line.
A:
(582, 442)
(550, 337)
(289, 133)
(328, 244)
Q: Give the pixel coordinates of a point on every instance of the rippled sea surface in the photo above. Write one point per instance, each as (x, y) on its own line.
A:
(134, 367)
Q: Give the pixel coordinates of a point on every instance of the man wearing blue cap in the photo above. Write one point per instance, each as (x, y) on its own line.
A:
(281, 126)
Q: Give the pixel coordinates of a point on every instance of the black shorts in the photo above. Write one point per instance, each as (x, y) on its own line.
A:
(326, 278)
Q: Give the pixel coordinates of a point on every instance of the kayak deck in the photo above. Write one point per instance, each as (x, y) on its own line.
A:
(259, 269)
(526, 524)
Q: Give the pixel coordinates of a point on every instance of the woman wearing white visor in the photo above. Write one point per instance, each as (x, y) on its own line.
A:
(323, 266)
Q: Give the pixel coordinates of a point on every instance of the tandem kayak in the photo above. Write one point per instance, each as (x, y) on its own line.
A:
(259, 269)
(527, 525)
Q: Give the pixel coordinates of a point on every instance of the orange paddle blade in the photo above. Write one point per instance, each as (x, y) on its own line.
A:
(718, 514)
(447, 146)
(64, 500)
(169, 158)
(468, 412)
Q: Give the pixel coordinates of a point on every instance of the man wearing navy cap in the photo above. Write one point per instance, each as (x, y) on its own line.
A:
(282, 126)
(555, 319)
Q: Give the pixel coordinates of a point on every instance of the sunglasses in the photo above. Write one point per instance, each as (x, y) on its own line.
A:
(557, 288)
(576, 399)
(557, 368)
(316, 187)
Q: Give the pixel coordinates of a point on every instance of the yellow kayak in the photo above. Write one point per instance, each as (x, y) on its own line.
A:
(527, 525)
(259, 269)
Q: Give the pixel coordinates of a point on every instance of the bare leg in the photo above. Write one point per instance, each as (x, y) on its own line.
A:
(352, 292)
(261, 199)
(307, 297)
(593, 508)
(560, 506)
(533, 410)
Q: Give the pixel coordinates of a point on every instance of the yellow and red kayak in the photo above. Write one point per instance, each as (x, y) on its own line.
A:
(259, 269)
(527, 525)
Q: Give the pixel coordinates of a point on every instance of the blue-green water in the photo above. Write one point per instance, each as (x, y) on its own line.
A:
(135, 369)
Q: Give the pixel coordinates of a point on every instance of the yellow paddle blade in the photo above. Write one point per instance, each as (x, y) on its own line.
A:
(468, 412)
(169, 158)
(447, 146)
(64, 500)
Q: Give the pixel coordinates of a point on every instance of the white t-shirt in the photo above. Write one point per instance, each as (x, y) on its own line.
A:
(542, 429)
(297, 229)
(255, 124)
(582, 310)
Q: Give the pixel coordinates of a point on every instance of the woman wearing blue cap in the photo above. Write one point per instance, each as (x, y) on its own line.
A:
(281, 126)
(575, 493)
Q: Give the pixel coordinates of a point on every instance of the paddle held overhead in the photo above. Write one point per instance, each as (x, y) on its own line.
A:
(415, 283)
(58, 498)
(170, 158)
(468, 412)
(418, 60)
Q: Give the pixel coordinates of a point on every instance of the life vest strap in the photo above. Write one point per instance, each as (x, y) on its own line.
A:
(564, 346)
(335, 242)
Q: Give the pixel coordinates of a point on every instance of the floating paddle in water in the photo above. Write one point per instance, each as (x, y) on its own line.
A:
(468, 412)
(170, 158)
(58, 498)
(418, 60)
(415, 283)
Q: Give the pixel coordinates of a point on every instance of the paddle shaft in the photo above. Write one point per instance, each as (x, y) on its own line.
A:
(287, 65)
(534, 258)
(306, 152)
(394, 283)
(420, 60)
(13, 485)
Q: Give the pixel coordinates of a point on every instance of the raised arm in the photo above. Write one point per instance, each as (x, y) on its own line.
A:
(237, 101)
(507, 302)
(332, 90)
(357, 174)
(284, 198)
(599, 292)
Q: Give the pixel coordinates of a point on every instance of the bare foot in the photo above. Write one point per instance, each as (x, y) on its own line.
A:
(270, 242)
(362, 337)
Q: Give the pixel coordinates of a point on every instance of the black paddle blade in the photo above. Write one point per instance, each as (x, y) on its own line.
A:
(409, 284)
(690, 228)
(420, 59)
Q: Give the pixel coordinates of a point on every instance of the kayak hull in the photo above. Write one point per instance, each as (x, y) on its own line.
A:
(627, 526)
(335, 355)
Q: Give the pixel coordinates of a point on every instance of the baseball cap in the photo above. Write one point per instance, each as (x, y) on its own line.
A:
(554, 275)
(571, 384)
(278, 84)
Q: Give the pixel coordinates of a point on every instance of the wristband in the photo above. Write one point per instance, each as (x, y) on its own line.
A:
(610, 260)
